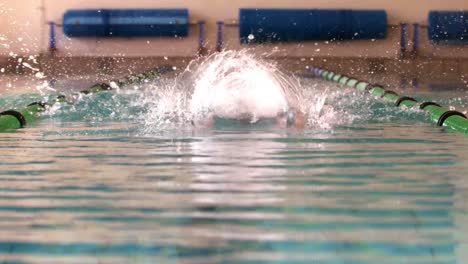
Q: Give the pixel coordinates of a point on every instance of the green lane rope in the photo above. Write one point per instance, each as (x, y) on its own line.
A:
(453, 120)
(14, 119)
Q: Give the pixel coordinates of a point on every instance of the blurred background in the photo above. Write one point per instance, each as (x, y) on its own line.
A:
(404, 50)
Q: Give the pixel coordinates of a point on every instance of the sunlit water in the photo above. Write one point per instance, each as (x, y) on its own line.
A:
(124, 177)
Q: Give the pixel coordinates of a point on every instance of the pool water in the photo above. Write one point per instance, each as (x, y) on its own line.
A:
(106, 181)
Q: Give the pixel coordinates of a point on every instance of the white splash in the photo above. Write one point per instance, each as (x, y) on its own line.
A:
(166, 104)
(236, 85)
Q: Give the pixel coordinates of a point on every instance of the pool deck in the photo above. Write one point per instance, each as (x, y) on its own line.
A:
(379, 70)
(417, 74)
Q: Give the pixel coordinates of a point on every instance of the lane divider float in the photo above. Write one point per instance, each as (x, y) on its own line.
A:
(453, 120)
(15, 119)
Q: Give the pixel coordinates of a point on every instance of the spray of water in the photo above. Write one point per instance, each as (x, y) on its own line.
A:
(237, 85)
(21, 48)
(231, 85)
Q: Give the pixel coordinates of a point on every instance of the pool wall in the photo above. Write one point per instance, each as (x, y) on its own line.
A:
(34, 29)
(418, 75)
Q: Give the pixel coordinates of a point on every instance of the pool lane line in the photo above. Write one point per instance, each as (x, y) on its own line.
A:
(441, 116)
(13, 119)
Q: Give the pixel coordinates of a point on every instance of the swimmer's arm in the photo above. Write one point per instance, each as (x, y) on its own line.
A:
(300, 120)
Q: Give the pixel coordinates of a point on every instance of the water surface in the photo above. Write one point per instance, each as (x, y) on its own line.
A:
(106, 181)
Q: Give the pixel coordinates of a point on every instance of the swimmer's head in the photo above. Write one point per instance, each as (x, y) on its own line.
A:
(291, 118)
(235, 85)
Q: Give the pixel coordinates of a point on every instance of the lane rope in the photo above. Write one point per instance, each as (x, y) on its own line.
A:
(404, 98)
(448, 114)
(424, 104)
(44, 105)
(388, 92)
(17, 115)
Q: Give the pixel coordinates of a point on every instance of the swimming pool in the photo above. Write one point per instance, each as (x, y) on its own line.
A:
(107, 181)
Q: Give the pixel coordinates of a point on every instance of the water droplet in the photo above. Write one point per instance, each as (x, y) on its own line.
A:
(40, 75)
(114, 85)
(251, 37)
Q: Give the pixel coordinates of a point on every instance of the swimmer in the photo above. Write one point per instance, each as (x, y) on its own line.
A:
(292, 118)
(235, 86)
